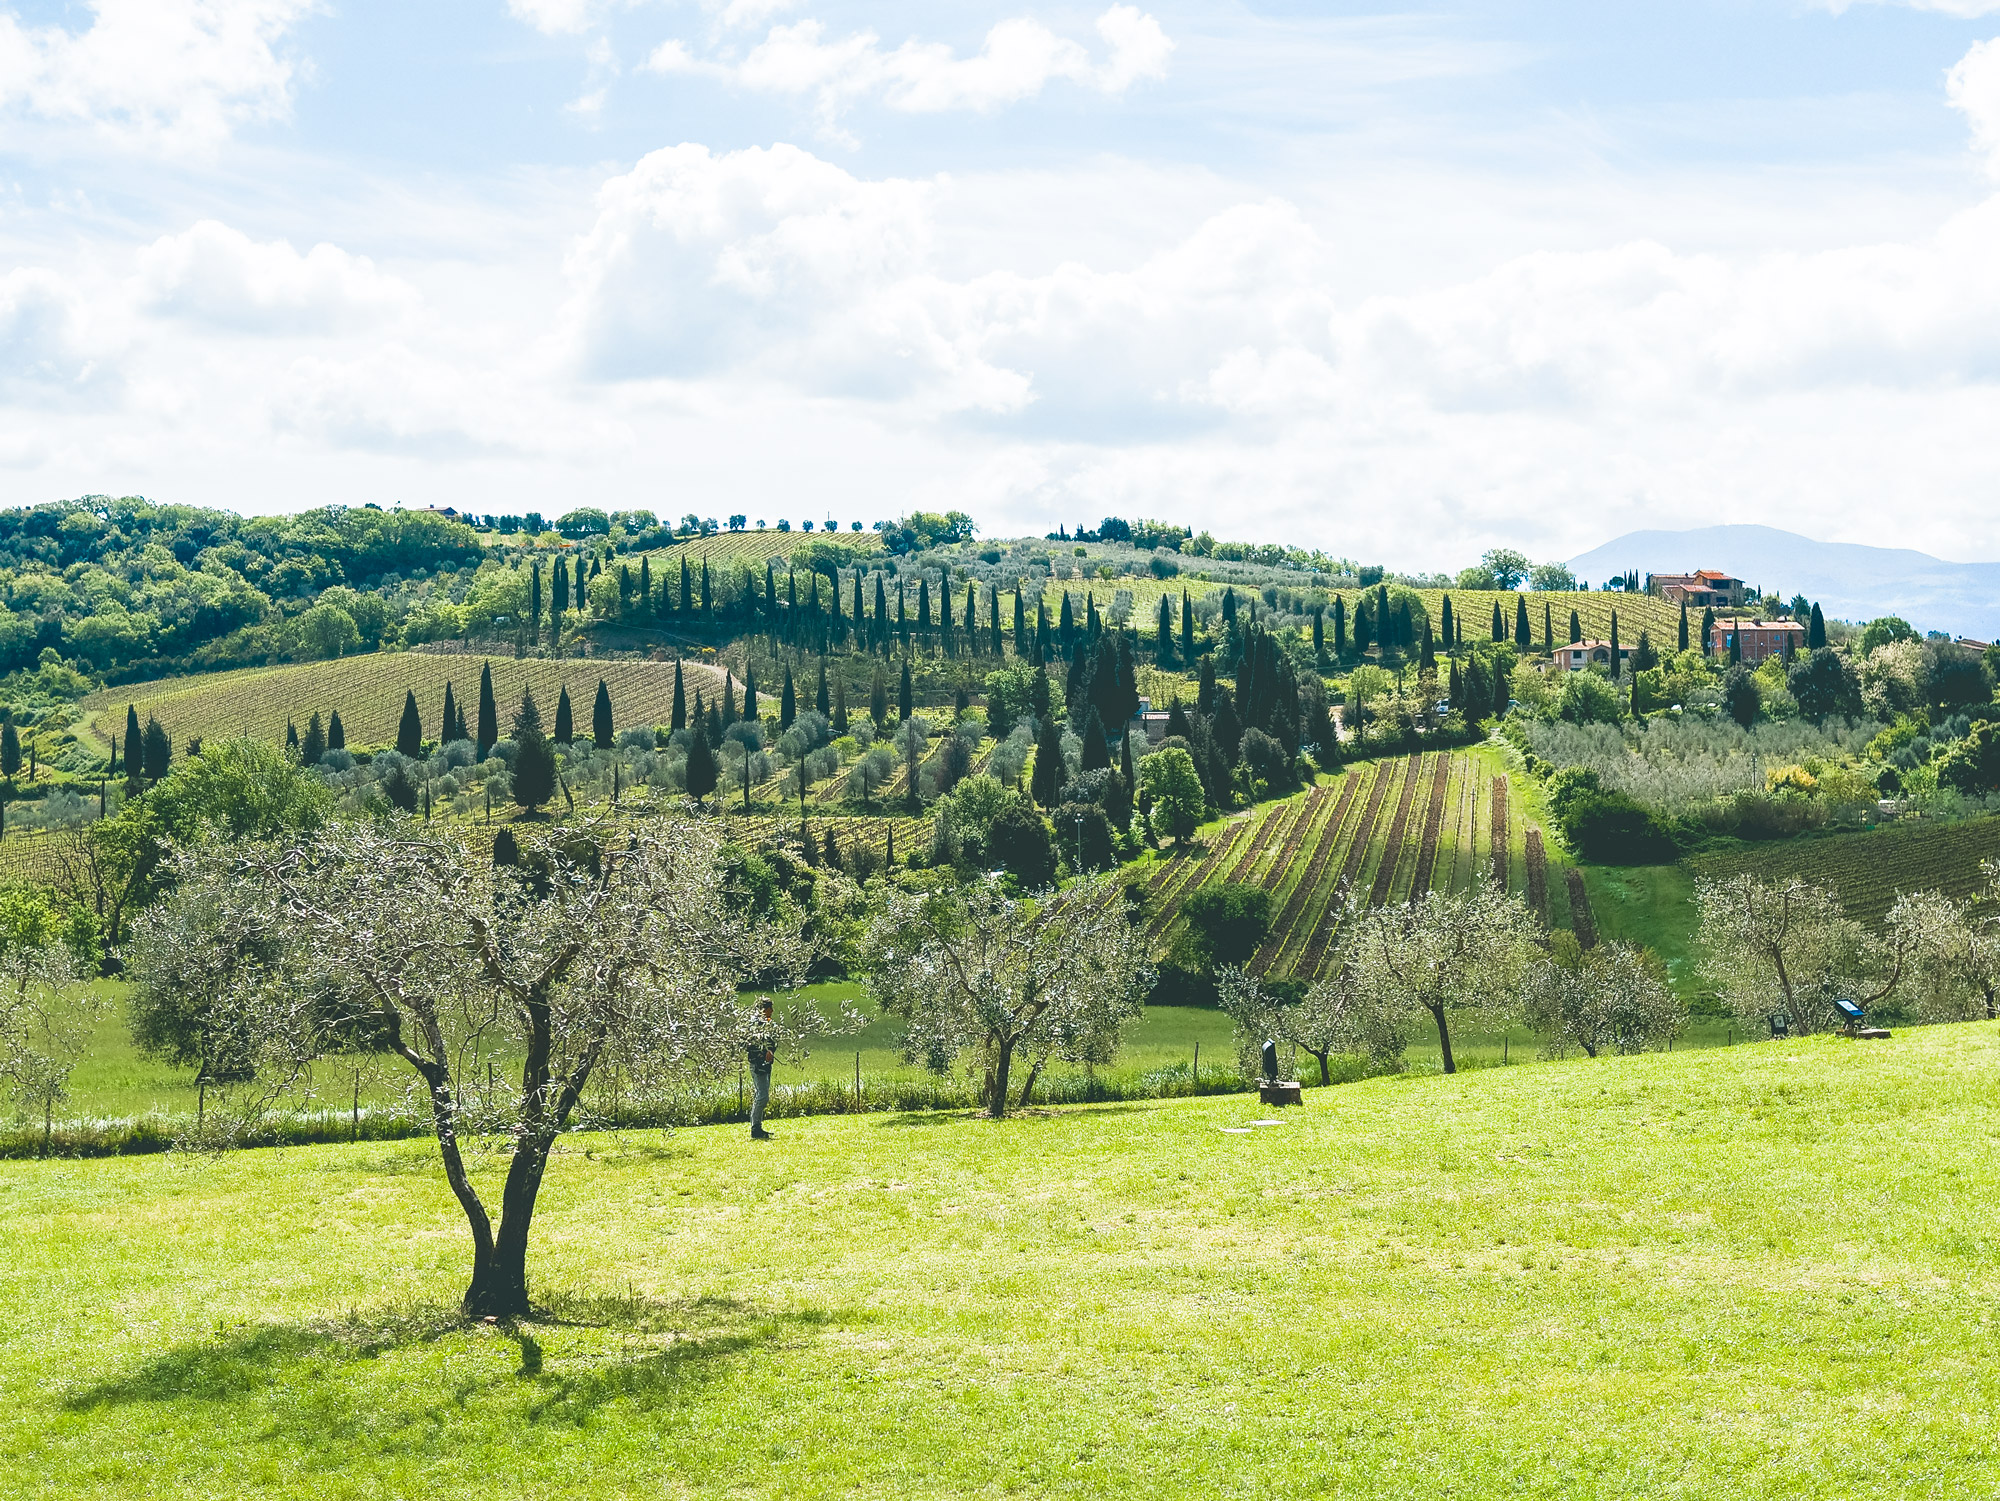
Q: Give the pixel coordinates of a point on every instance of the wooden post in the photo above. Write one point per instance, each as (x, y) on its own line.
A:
(1197, 1065)
(857, 1079)
(355, 1132)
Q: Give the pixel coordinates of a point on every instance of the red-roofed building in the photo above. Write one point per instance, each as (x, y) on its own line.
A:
(1760, 638)
(1703, 589)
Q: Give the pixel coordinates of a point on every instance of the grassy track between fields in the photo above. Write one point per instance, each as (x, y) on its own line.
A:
(1758, 1271)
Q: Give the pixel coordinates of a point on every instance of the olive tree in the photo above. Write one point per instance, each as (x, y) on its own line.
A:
(1332, 1015)
(1447, 951)
(46, 946)
(1788, 947)
(979, 976)
(1954, 952)
(603, 946)
(1612, 998)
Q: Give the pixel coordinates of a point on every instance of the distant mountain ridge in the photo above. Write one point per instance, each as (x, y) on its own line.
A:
(1845, 579)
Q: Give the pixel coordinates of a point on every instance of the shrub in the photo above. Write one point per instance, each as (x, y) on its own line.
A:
(1613, 829)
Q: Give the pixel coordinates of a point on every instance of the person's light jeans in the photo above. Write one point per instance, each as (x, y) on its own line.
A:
(760, 1097)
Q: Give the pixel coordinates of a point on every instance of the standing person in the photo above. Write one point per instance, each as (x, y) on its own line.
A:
(763, 1051)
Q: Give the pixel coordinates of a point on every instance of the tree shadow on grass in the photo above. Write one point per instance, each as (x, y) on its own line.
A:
(1060, 1111)
(664, 1349)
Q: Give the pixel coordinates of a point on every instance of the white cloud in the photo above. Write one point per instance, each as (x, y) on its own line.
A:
(1018, 58)
(171, 73)
(1973, 86)
(558, 17)
(1964, 10)
(753, 12)
(217, 275)
(46, 351)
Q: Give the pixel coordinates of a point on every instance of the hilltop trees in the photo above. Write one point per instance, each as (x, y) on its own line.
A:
(976, 975)
(602, 950)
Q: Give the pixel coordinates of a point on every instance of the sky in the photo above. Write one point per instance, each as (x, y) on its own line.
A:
(1404, 284)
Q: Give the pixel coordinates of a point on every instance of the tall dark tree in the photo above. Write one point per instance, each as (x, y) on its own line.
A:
(750, 693)
(410, 728)
(534, 757)
(905, 698)
(535, 601)
(565, 720)
(159, 750)
(134, 756)
(1050, 776)
(1501, 694)
(10, 748)
(1187, 627)
(878, 699)
(686, 591)
(1548, 629)
(728, 700)
(1645, 657)
(645, 602)
(1617, 663)
(1708, 633)
(840, 725)
(1736, 648)
(336, 734)
(559, 591)
(1020, 624)
(1815, 630)
(1163, 641)
(1683, 636)
(1499, 626)
(1575, 627)
(315, 741)
(1427, 657)
(291, 741)
(448, 731)
(489, 712)
(1524, 635)
(1445, 624)
(1319, 637)
(680, 699)
(702, 772)
(600, 717)
(820, 700)
(1096, 750)
(788, 704)
(1339, 626)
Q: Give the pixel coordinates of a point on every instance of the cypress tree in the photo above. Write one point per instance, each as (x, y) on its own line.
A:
(1096, 750)
(1339, 626)
(535, 601)
(10, 748)
(565, 721)
(1617, 667)
(1548, 629)
(1187, 628)
(132, 743)
(1456, 693)
(1499, 692)
(1683, 636)
(1125, 773)
(291, 742)
(1735, 657)
(336, 737)
(750, 694)
(1163, 647)
(445, 735)
(489, 711)
(702, 774)
(600, 717)
(1204, 693)
(560, 602)
(728, 701)
(878, 628)
(1524, 636)
(1815, 632)
(707, 599)
(1499, 626)
(309, 753)
(903, 614)
(1445, 622)
(410, 729)
(596, 566)
(534, 758)
(1708, 633)
(715, 724)
(1066, 626)
(1050, 774)
(1575, 627)
(645, 601)
(159, 750)
(625, 589)
(820, 699)
(878, 699)
(1020, 624)
(905, 700)
(840, 706)
(687, 588)
(680, 699)
(788, 707)
(995, 644)
(1427, 659)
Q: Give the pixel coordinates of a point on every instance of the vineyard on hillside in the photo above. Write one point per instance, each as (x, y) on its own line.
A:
(1870, 870)
(368, 692)
(751, 547)
(1389, 831)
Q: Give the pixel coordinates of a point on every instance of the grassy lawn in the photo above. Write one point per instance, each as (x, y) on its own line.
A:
(1765, 1270)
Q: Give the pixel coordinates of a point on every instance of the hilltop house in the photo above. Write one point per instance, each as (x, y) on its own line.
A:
(1760, 638)
(1574, 656)
(1703, 589)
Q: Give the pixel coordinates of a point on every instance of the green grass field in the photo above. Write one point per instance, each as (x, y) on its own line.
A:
(1757, 1271)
